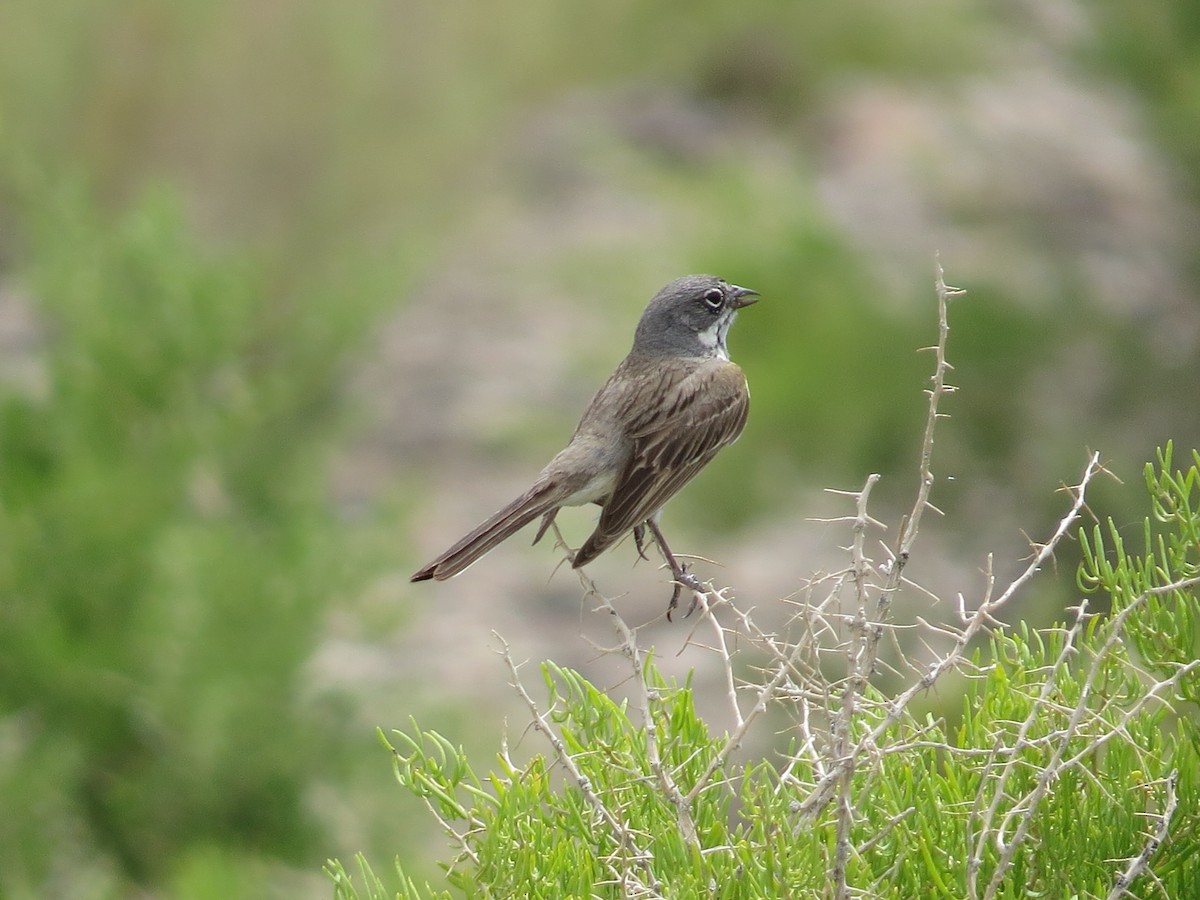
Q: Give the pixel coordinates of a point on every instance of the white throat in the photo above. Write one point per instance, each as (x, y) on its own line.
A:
(712, 338)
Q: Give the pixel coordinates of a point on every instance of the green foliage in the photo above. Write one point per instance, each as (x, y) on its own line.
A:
(1072, 751)
(163, 554)
(1165, 574)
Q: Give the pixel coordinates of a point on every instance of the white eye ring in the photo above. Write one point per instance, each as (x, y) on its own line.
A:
(714, 299)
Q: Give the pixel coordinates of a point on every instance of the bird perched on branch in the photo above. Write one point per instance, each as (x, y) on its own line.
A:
(661, 417)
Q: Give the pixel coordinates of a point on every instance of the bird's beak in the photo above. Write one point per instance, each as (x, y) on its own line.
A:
(742, 296)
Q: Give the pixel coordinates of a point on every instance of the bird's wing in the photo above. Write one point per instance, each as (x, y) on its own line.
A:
(672, 441)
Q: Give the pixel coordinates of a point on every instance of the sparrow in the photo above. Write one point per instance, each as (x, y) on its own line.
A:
(661, 417)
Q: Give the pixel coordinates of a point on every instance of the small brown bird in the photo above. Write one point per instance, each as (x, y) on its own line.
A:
(671, 404)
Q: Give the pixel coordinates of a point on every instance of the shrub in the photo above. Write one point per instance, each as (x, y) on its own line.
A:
(1073, 770)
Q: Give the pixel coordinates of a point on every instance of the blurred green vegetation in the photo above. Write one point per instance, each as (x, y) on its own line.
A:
(210, 206)
(1155, 49)
(167, 550)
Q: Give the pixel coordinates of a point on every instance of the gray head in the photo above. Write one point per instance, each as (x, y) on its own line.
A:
(691, 317)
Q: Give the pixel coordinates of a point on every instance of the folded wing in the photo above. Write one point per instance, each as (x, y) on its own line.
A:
(672, 441)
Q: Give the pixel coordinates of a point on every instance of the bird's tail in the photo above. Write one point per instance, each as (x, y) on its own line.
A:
(538, 500)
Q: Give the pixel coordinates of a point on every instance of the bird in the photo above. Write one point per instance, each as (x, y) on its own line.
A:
(667, 409)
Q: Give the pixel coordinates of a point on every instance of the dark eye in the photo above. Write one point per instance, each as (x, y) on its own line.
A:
(714, 299)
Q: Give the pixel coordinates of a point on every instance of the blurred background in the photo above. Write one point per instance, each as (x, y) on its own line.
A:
(292, 294)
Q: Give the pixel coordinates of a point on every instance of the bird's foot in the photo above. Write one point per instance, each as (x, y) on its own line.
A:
(685, 579)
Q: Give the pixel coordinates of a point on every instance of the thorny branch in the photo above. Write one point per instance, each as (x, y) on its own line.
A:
(1138, 864)
(841, 728)
(863, 648)
(632, 653)
(628, 848)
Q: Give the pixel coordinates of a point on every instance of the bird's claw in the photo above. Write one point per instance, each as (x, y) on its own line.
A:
(674, 601)
(685, 579)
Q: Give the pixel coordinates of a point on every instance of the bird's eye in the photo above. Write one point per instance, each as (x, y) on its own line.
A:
(714, 299)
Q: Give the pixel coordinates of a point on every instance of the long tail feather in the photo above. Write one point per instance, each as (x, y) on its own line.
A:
(536, 501)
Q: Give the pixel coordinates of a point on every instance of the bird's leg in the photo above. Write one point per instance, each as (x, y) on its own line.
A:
(683, 578)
